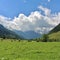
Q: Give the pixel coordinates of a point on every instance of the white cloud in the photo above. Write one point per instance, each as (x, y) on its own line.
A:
(45, 10)
(35, 21)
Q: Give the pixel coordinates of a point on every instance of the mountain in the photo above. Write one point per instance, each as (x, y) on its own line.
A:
(5, 33)
(55, 33)
(28, 34)
(55, 29)
(32, 34)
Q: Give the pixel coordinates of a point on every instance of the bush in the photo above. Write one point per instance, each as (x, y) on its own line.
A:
(37, 40)
(45, 38)
(29, 40)
(19, 40)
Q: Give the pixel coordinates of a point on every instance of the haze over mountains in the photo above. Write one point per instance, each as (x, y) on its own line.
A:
(5, 33)
(28, 34)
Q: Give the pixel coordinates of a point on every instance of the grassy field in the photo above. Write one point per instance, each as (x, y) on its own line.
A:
(25, 50)
(55, 36)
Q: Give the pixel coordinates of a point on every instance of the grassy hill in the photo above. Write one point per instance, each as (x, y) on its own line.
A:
(55, 36)
(24, 50)
(55, 29)
(55, 33)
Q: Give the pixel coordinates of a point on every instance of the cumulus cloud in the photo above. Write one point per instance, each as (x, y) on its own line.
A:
(45, 10)
(35, 21)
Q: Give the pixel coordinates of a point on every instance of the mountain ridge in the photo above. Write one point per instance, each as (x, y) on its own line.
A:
(55, 33)
(6, 33)
(28, 34)
(55, 29)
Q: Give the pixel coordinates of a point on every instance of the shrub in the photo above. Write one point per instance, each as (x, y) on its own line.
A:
(29, 40)
(45, 38)
(19, 40)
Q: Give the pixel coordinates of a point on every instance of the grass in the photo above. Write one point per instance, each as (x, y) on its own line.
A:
(55, 35)
(25, 50)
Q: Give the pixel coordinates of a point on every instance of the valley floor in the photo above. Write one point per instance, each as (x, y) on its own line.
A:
(25, 50)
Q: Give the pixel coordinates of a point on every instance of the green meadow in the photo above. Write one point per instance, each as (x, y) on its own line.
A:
(24, 50)
(55, 35)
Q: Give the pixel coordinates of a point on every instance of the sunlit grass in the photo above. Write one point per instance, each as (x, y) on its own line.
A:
(25, 50)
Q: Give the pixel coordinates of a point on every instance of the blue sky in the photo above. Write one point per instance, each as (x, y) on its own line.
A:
(12, 8)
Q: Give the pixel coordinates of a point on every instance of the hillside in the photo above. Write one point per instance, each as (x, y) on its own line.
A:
(55, 33)
(28, 34)
(5, 33)
(56, 29)
(55, 36)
